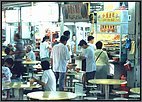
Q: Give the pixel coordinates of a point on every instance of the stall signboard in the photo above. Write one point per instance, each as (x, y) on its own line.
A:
(109, 16)
(75, 12)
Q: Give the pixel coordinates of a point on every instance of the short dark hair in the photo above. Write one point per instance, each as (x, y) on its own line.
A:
(7, 50)
(99, 45)
(82, 42)
(9, 61)
(45, 65)
(63, 38)
(90, 38)
(66, 33)
(17, 35)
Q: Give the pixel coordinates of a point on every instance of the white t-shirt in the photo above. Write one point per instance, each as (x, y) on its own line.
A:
(49, 79)
(60, 55)
(6, 74)
(31, 55)
(90, 62)
(44, 51)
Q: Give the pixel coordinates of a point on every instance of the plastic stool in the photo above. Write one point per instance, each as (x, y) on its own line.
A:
(121, 93)
(120, 98)
(134, 96)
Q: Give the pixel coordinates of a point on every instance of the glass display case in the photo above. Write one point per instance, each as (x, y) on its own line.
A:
(112, 30)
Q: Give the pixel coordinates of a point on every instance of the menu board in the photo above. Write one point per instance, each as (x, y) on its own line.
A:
(75, 12)
(109, 16)
(111, 28)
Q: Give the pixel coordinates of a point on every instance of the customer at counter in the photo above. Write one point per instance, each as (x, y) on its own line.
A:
(91, 42)
(90, 61)
(59, 57)
(102, 61)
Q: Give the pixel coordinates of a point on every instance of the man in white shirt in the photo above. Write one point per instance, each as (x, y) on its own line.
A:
(30, 54)
(44, 49)
(48, 78)
(59, 57)
(90, 62)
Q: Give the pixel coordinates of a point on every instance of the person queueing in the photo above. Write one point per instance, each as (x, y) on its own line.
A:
(90, 62)
(45, 49)
(59, 57)
(48, 78)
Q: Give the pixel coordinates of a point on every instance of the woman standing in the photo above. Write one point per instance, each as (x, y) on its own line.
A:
(45, 49)
(102, 64)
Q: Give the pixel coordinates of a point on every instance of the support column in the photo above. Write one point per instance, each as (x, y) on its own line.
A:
(61, 19)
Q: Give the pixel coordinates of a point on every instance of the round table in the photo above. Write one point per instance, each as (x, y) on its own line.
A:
(20, 86)
(107, 82)
(135, 90)
(51, 95)
(30, 62)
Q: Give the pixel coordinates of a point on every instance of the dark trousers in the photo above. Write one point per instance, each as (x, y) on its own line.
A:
(89, 76)
(61, 77)
(19, 68)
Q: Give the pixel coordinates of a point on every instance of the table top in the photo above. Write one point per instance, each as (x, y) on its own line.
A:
(107, 81)
(31, 62)
(51, 95)
(135, 90)
(19, 85)
(74, 73)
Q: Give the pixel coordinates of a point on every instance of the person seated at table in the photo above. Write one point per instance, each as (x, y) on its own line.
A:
(30, 54)
(6, 78)
(48, 78)
(15, 71)
(8, 55)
